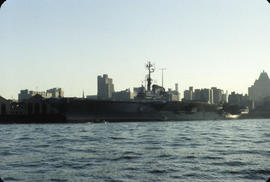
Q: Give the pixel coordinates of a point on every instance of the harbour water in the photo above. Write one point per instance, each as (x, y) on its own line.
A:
(200, 151)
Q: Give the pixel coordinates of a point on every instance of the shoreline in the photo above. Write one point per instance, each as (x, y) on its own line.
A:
(60, 119)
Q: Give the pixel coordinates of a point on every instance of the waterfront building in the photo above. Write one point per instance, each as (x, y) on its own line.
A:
(105, 87)
(235, 98)
(202, 95)
(4, 106)
(188, 94)
(217, 95)
(205, 95)
(37, 105)
(196, 96)
(51, 93)
(124, 95)
(240, 100)
(27, 94)
(260, 89)
(177, 87)
(173, 95)
(224, 97)
(55, 93)
(210, 96)
(91, 97)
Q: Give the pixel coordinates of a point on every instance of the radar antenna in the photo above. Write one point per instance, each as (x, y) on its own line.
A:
(150, 67)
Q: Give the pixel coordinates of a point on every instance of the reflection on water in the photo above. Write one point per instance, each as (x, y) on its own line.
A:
(151, 151)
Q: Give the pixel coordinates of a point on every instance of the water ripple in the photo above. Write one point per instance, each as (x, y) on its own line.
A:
(199, 151)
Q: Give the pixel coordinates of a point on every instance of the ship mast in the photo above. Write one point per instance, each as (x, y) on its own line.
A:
(151, 69)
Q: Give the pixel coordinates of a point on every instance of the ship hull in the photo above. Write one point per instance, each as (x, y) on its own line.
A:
(85, 110)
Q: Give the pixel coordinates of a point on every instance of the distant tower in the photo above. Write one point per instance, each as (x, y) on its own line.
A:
(83, 95)
(176, 87)
(105, 87)
(151, 69)
(260, 89)
(162, 78)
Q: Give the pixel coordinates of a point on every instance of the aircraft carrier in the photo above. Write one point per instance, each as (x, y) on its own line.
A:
(150, 104)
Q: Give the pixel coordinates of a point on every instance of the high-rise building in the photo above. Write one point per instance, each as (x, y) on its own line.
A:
(225, 97)
(188, 94)
(196, 95)
(105, 87)
(176, 87)
(260, 89)
(202, 95)
(173, 95)
(205, 95)
(217, 95)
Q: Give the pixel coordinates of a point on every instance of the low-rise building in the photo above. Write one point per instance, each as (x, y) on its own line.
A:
(240, 100)
(27, 94)
(51, 93)
(91, 97)
(4, 106)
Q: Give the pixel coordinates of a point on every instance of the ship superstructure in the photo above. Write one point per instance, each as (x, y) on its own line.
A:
(153, 92)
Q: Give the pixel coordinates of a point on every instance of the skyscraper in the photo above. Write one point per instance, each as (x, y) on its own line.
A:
(105, 87)
(260, 89)
(188, 94)
(217, 95)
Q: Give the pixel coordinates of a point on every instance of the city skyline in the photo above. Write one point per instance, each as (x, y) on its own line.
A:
(201, 44)
(105, 91)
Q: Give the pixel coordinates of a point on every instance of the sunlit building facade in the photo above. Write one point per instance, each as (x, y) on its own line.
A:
(261, 88)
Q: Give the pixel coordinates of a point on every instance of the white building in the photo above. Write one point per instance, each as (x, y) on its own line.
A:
(51, 93)
(27, 94)
(260, 89)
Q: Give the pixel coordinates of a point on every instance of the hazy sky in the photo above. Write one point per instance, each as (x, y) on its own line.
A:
(67, 43)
